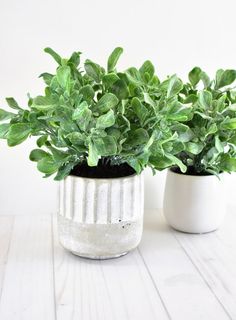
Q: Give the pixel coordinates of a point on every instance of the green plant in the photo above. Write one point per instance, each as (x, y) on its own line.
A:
(90, 113)
(210, 136)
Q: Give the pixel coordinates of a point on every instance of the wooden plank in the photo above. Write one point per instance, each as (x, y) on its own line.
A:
(183, 290)
(226, 233)
(6, 224)
(104, 290)
(214, 254)
(27, 292)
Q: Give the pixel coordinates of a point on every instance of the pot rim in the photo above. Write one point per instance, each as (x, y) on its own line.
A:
(104, 179)
(181, 174)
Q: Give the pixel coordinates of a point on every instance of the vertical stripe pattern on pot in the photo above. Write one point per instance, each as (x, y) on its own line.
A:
(101, 201)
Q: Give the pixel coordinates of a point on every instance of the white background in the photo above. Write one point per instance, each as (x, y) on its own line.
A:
(175, 35)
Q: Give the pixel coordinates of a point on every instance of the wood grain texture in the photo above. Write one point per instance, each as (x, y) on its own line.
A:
(214, 255)
(184, 292)
(104, 290)
(172, 275)
(27, 292)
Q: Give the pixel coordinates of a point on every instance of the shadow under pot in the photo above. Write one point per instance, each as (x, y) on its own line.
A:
(101, 218)
(194, 203)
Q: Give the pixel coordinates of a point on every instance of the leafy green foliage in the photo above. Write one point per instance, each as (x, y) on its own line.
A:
(114, 57)
(18, 133)
(89, 114)
(209, 138)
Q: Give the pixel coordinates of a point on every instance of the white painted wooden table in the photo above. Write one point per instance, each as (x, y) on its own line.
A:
(170, 276)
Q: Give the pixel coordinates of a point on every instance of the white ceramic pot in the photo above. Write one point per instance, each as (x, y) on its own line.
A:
(194, 204)
(101, 218)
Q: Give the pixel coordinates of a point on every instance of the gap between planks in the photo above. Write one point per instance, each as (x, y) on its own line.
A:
(152, 277)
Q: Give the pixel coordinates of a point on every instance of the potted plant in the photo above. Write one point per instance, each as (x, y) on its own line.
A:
(97, 130)
(194, 201)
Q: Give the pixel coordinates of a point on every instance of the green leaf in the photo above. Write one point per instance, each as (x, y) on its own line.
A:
(203, 115)
(41, 141)
(109, 79)
(233, 140)
(148, 99)
(185, 134)
(150, 141)
(229, 124)
(212, 129)
(134, 76)
(160, 162)
(195, 76)
(205, 99)
(224, 78)
(220, 104)
(5, 115)
(194, 148)
(205, 79)
(218, 77)
(13, 104)
(93, 156)
(106, 120)
(176, 161)
(113, 59)
(38, 154)
(76, 138)
(58, 156)
(174, 87)
(47, 77)
(228, 163)
(93, 70)
(63, 76)
(64, 171)
(87, 93)
(190, 99)
(147, 68)
(137, 137)
(18, 133)
(42, 103)
(75, 58)
(4, 128)
(177, 147)
(178, 112)
(139, 109)
(47, 165)
(135, 164)
(105, 146)
(219, 145)
(120, 89)
(55, 55)
(114, 132)
(107, 102)
(82, 115)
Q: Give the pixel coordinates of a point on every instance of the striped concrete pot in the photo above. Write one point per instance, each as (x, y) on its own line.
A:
(101, 218)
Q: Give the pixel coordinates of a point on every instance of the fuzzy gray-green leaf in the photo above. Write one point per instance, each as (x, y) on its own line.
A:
(38, 154)
(106, 120)
(18, 133)
(205, 99)
(82, 114)
(174, 87)
(5, 115)
(225, 78)
(52, 53)
(147, 68)
(113, 59)
(195, 76)
(107, 102)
